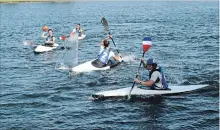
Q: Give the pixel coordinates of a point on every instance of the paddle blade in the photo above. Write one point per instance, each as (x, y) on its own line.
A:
(147, 43)
(105, 23)
(63, 38)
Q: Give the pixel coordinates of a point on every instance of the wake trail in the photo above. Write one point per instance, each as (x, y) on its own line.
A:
(130, 58)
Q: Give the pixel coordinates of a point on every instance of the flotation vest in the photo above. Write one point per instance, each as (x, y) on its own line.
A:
(49, 38)
(79, 32)
(103, 57)
(163, 80)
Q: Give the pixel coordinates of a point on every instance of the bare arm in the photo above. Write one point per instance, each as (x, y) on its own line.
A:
(53, 40)
(107, 38)
(43, 35)
(83, 32)
(145, 83)
(148, 83)
(142, 60)
(117, 57)
(73, 32)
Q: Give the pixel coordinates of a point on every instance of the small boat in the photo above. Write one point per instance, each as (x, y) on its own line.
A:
(43, 48)
(147, 92)
(91, 66)
(82, 37)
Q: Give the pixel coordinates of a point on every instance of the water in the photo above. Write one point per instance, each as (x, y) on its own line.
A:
(34, 95)
(69, 56)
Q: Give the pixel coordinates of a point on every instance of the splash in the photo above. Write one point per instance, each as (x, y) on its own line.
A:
(129, 58)
(61, 66)
(69, 56)
(28, 43)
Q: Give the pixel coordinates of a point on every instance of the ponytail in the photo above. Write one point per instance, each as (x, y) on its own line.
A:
(106, 43)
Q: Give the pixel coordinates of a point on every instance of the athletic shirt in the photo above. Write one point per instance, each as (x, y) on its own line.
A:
(49, 38)
(79, 32)
(105, 55)
(156, 76)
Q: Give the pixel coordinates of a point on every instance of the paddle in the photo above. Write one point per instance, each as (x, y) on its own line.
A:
(63, 38)
(105, 24)
(147, 42)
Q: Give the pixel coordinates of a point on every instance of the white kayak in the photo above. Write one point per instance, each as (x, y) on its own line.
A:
(82, 37)
(88, 67)
(139, 91)
(42, 48)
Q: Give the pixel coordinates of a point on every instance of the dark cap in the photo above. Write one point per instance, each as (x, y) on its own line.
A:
(151, 61)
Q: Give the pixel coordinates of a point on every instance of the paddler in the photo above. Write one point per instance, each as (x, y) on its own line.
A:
(105, 54)
(78, 31)
(50, 39)
(156, 77)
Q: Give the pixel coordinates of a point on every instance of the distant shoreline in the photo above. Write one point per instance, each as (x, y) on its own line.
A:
(23, 1)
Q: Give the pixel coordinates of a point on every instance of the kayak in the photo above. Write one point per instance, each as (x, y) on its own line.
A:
(42, 48)
(91, 66)
(82, 37)
(140, 91)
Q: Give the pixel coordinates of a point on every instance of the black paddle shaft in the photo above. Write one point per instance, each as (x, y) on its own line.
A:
(105, 24)
(115, 45)
(137, 74)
